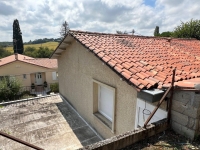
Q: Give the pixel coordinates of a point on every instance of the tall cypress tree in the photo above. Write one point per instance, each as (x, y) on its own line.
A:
(156, 31)
(18, 46)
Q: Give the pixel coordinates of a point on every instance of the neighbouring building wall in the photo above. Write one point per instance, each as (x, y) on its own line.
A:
(24, 81)
(77, 69)
(18, 68)
(186, 113)
(32, 78)
(49, 77)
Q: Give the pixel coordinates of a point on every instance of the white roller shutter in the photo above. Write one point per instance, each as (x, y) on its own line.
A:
(54, 76)
(105, 103)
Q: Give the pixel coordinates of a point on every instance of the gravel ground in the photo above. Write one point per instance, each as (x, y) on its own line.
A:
(167, 140)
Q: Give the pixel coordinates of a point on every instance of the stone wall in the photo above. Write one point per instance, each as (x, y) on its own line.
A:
(186, 113)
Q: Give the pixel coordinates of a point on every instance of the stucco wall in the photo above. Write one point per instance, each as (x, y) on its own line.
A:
(77, 69)
(49, 78)
(186, 113)
(18, 68)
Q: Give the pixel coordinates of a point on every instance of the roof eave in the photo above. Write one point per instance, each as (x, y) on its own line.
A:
(66, 41)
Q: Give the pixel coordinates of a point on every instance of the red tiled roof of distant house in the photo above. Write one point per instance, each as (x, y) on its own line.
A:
(42, 62)
(145, 62)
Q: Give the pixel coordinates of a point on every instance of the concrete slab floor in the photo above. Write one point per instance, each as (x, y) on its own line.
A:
(50, 123)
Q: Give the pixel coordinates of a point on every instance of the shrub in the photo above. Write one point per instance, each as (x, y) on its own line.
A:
(9, 88)
(54, 87)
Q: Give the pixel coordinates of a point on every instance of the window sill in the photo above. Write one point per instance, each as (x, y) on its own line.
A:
(104, 120)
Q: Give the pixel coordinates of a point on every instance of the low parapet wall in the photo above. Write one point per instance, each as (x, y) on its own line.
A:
(130, 137)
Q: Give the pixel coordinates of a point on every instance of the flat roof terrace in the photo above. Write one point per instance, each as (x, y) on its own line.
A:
(47, 122)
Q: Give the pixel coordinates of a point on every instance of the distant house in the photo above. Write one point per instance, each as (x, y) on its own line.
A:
(29, 70)
(114, 81)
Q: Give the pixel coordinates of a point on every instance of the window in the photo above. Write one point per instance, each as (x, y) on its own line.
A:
(54, 75)
(24, 76)
(104, 103)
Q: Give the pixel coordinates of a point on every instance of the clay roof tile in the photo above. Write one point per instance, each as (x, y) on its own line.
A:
(145, 61)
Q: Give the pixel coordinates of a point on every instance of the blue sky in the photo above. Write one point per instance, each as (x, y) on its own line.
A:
(43, 18)
(149, 3)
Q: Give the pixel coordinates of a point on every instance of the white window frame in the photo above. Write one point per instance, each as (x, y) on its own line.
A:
(104, 116)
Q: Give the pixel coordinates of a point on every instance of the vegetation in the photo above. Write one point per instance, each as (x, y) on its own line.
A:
(4, 52)
(32, 50)
(125, 32)
(5, 44)
(156, 31)
(44, 40)
(121, 32)
(190, 29)
(9, 88)
(64, 29)
(166, 34)
(42, 52)
(167, 140)
(50, 45)
(54, 87)
(17, 38)
(45, 84)
(32, 86)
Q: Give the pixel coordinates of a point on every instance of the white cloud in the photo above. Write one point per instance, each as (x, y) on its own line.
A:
(43, 18)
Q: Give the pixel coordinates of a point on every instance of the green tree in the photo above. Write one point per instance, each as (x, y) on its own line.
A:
(132, 31)
(156, 31)
(121, 32)
(166, 34)
(190, 29)
(9, 88)
(18, 46)
(43, 52)
(30, 51)
(64, 29)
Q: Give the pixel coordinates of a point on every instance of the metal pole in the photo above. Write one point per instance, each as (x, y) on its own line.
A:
(171, 97)
(20, 141)
(156, 108)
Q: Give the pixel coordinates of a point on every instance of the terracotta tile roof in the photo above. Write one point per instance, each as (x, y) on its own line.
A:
(42, 62)
(145, 62)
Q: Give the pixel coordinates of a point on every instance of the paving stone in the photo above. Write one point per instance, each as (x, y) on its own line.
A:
(91, 141)
(84, 133)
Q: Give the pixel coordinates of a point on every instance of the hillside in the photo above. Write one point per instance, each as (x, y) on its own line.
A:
(50, 45)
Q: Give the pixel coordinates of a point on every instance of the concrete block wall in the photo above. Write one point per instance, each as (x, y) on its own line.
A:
(185, 118)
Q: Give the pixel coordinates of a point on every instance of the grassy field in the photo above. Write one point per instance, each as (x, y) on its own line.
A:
(50, 45)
